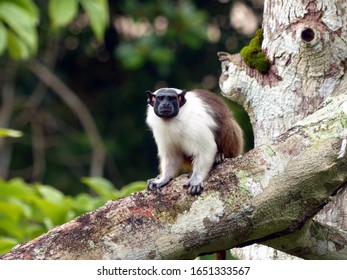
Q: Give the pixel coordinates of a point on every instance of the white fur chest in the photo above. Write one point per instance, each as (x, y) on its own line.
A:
(191, 131)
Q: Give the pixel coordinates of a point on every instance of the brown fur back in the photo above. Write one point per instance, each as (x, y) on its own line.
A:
(229, 136)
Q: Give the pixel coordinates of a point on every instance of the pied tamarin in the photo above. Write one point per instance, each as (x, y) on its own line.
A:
(195, 125)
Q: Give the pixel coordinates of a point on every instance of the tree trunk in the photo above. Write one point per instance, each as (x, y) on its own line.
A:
(306, 42)
(274, 194)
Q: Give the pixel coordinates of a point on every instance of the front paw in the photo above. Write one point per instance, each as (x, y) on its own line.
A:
(195, 189)
(156, 183)
(219, 158)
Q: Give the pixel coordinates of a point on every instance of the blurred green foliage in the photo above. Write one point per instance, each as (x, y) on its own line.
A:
(28, 210)
(19, 20)
(188, 26)
(10, 133)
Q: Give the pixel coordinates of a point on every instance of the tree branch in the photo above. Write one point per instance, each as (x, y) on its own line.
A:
(265, 194)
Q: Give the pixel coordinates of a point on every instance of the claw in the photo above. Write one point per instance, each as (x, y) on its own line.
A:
(195, 189)
(219, 158)
(156, 183)
(151, 185)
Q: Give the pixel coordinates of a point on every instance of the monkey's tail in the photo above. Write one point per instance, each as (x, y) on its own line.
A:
(221, 255)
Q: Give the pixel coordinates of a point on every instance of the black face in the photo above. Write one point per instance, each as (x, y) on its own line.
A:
(166, 102)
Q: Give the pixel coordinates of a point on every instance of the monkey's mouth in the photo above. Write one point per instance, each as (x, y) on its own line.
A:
(166, 113)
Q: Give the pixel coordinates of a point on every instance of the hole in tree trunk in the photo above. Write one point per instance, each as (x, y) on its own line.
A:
(307, 34)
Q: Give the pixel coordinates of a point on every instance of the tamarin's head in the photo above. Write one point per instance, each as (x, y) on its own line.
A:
(166, 102)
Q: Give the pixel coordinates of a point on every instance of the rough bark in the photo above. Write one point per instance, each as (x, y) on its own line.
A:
(264, 195)
(306, 42)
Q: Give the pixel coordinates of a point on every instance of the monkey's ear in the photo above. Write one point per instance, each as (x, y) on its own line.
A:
(181, 97)
(150, 98)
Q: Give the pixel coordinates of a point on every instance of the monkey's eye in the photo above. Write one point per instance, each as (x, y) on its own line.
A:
(159, 98)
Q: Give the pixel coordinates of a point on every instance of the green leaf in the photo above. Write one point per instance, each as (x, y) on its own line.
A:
(30, 7)
(62, 12)
(130, 56)
(4, 132)
(48, 223)
(6, 244)
(10, 211)
(16, 188)
(24, 207)
(32, 230)
(97, 11)
(101, 186)
(3, 43)
(84, 203)
(51, 194)
(51, 213)
(22, 23)
(16, 47)
(132, 187)
(161, 55)
(9, 228)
